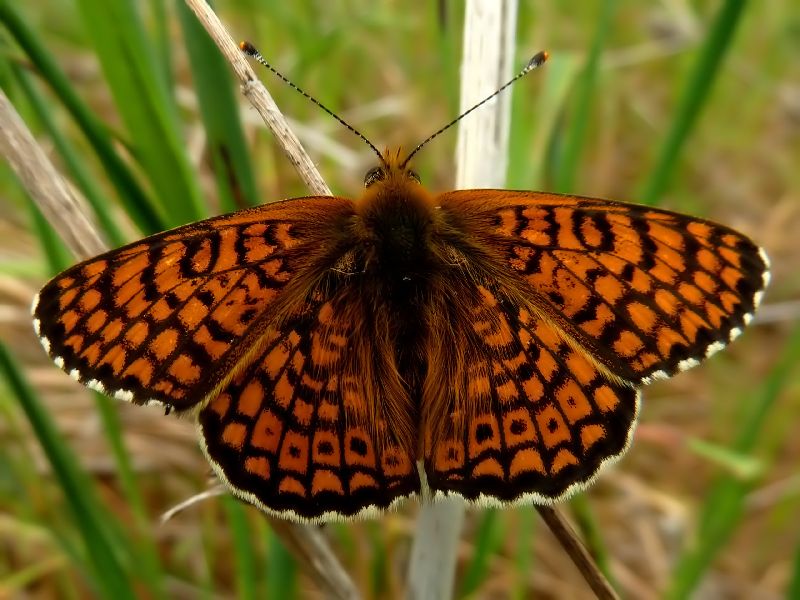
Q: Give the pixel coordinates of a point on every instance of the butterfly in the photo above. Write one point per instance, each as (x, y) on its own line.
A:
(340, 355)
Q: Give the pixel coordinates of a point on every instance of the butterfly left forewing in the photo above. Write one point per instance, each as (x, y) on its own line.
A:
(166, 318)
(647, 292)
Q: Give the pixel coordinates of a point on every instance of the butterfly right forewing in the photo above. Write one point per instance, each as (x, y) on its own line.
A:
(647, 292)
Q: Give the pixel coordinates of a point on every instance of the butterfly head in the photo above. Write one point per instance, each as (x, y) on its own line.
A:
(396, 214)
(393, 169)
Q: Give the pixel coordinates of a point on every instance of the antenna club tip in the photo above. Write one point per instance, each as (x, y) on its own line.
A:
(538, 59)
(248, 48)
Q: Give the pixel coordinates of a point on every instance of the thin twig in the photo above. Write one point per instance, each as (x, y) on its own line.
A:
(310, 548)
(306, 542)
(51, 193)
(260, 98)
(573, 546)
(213, 492)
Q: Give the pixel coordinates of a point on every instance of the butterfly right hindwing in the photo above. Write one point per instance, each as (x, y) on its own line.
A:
(524, 415)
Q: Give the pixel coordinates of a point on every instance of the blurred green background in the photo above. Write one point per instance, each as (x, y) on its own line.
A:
(691, 105)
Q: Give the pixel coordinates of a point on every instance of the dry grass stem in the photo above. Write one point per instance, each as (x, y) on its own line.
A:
(51, 193)
(310, 548)
(572, 544)
(217, 490)
(260, 98)
(305, 542)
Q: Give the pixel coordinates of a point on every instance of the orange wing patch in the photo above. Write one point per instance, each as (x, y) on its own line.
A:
(549, 420)
(297, 432)
(164, 318)
(647, 292)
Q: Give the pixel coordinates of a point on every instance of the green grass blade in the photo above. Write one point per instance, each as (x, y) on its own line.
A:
(75, 165)
(723, 509)
(107, 555)
(27, 506)
(448, 57)
(246, 572)
(282, 570)
(487, 541)
(378, 561)
(743, 466)
(693, 98)
(145, 550)
(586, 94)
(793, 592)
(220, 112)
(136, 82)
(162, 39)
(57, 254)
(137, 203)
(523, 559)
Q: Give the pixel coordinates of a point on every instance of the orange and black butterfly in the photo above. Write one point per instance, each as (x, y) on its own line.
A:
(340, 355)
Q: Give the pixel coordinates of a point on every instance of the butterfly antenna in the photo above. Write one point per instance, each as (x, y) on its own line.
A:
(537, 61)
(253, 52)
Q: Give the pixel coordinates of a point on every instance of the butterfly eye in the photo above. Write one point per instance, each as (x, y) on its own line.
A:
(412, 175)
(374, 175)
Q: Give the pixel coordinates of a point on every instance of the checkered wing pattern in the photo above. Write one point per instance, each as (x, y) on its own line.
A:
(304, 431)
(527, 415)
(166, 319)
(563, 308)
(646, 292)
(228, 318)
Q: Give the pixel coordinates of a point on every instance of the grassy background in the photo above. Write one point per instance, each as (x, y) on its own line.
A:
(691, 105)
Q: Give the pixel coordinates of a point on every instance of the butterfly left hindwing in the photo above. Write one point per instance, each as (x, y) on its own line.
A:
(305, 430)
